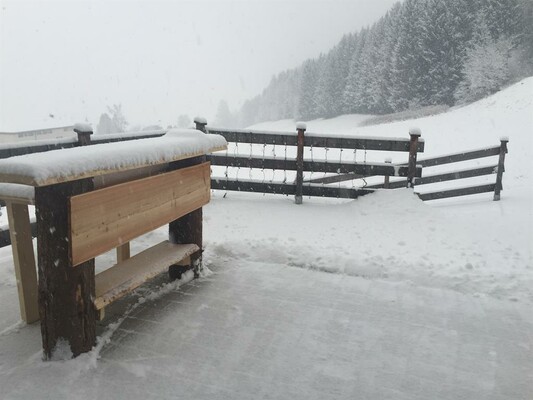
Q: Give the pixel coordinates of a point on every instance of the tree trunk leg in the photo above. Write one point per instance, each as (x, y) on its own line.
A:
(187, 229)
(66, 293)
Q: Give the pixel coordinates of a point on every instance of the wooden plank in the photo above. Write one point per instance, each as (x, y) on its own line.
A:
(457, 192)
(287, 188)
(124, 277)
(103, 181)
(335, 178)
(104, 219)
(24, 260)
(39, 147)
(449, 176)
(315, 140)
(123, 252)
(458, 157)
(365, 169)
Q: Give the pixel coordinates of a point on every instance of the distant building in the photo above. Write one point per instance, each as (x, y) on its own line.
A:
(38, 134)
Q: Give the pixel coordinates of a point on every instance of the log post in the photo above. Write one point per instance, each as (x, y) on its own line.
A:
(300, 128)
(187, 229)
(501, 168)
(414, 133)
(386, 181)
(84, 134)
(66, 293)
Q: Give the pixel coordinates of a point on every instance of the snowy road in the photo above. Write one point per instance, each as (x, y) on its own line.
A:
(256, 330)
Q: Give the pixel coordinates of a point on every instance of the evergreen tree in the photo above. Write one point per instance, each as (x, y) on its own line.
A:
(422, 52)
(486, 68)
(307, 105)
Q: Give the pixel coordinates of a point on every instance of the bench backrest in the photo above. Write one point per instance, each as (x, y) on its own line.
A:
(106, 218)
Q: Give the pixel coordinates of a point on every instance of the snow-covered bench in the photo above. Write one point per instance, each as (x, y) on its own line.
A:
(92, 199)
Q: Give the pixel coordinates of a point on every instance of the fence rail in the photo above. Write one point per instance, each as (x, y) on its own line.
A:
(316, 140)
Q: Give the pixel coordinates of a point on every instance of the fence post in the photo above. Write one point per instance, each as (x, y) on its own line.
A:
(300, 128)
(501, 168)
(386, 181)
(413, 148)
(200, 123)
(84, 132)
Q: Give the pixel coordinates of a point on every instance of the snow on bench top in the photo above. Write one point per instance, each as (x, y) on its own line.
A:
(17, 193)
(41, 169)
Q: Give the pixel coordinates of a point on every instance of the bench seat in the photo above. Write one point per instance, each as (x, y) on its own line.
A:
(127, 275)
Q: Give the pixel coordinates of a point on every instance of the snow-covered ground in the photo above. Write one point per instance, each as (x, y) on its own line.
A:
(381, 297)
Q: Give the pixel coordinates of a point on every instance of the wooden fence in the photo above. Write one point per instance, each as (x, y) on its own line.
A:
(343, 170)
(497, 169)
(299, 164)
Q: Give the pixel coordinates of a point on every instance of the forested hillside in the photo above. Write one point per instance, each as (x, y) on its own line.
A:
(421, 53)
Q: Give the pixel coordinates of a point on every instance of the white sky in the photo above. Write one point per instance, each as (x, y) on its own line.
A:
(159, 59)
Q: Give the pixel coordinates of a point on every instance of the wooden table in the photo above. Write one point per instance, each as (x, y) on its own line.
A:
(119, 192)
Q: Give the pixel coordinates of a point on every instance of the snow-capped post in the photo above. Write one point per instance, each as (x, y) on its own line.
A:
(386, 182)
(84, 132)
(501, 168)
(300, 128)
(200, 123)
(415, 133)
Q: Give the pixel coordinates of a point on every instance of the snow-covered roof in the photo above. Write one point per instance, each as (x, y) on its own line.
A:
(41, 169)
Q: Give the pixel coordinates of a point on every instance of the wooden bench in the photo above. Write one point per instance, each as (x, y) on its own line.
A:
(84, 211)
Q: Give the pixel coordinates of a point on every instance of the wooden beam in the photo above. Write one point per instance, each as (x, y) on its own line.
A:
(315, 140)
(457, 157)
(126, 276)
(448, 176)
(287, 188)
(104, 219)
(123, 252)
(24, 260)
(365, 169)
(66, 294)
(457, 192)
(334, 178)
